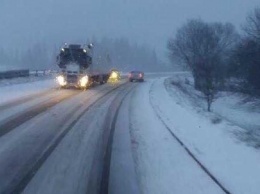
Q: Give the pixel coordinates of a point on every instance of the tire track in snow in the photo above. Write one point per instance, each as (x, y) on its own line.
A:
(23, 100)
(200, 164)
(111, 122)
(20, 186)
(11, 123)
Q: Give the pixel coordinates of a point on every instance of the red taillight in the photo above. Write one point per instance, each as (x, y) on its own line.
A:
(140, 75)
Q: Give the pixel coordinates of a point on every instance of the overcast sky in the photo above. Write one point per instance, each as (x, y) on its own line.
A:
(23, 22)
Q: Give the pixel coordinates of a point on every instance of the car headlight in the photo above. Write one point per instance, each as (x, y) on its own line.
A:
(61, 80)
(83, 81)
(114, 75)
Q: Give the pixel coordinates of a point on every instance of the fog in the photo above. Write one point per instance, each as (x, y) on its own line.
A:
(24, 23)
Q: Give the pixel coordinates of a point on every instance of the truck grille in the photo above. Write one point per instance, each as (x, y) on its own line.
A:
(72, 78)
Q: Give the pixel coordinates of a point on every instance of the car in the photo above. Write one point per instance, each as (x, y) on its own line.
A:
(136, 76)
(114, 76)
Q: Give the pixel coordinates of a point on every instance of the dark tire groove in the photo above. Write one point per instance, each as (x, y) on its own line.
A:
(23, 100)
(21, 118)
(21, 185)
(116, 105)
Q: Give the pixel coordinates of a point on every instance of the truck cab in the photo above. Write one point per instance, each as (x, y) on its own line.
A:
(74, 62)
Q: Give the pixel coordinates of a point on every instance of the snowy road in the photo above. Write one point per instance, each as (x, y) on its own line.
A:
(119, 138)
(162, 165)
(33, 129)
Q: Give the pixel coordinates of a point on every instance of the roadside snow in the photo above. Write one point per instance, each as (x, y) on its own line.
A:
(233, 163)
(24, 80)
(17, 91)
(162, 165)
(236, 108)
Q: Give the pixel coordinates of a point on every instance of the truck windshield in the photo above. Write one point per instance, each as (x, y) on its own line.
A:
(73, 55)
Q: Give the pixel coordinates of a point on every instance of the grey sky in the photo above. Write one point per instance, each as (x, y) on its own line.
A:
(23, 22)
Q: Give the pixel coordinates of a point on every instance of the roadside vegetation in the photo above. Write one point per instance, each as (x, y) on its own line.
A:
(218, 56)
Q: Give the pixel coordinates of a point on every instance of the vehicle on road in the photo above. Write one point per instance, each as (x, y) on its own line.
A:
(136, 76)
(75, 62)
(114, 76)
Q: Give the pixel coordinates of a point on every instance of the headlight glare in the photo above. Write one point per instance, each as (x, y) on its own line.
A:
(84, 81)
(114, 75)
(61, 80)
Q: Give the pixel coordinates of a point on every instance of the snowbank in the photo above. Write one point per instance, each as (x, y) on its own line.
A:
(235, 108)
(162, 164)
(233, 163)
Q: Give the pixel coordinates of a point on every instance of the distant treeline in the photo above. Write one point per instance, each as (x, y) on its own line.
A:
(112, 53)
(37, 57)
(121, 54)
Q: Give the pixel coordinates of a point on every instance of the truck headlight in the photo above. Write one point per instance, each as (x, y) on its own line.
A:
(83, 81)
(61, 80)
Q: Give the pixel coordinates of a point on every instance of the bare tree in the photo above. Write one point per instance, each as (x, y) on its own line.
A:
(246, 58)
(252, 27)
(204, 48)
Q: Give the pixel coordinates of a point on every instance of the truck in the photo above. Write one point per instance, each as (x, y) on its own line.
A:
(76, 67)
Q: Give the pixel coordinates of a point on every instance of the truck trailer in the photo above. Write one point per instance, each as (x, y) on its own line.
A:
(76, 70)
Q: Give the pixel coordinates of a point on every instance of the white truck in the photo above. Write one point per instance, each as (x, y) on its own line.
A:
(75, 62)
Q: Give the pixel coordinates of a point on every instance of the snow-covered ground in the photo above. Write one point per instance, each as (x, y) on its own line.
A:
(23, 80)
(15, 91)
(238, 109)
(146, 157)
(163, 166)
(157, 110)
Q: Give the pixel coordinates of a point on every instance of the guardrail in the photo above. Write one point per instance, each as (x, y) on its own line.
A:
(42, 72)
(14, 73)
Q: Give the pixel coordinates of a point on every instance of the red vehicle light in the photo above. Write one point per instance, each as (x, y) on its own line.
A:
(140, 75)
